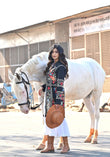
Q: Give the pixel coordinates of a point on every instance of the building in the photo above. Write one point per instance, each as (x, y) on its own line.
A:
(86, 34)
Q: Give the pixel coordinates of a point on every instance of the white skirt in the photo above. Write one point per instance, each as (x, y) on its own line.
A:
(59, 131)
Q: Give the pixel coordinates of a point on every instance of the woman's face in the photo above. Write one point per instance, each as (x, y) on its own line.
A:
(55, 55)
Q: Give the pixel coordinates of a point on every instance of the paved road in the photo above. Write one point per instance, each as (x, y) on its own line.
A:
(20, 133)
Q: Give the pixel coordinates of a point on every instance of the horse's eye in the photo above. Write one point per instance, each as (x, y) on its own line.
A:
(21, 92)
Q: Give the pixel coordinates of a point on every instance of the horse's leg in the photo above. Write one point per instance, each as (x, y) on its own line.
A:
(97, 115)
(90, 108)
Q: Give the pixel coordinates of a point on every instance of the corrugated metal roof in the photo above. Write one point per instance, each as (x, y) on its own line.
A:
(85, 14)
(24, 28)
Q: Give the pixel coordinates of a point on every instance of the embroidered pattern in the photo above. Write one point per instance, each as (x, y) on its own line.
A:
(60, 95)
(54, 88)
(60, 83)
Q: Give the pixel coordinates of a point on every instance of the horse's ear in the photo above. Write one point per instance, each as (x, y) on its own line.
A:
(10, 75)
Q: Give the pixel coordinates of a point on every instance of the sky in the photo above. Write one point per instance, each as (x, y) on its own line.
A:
(16, 14)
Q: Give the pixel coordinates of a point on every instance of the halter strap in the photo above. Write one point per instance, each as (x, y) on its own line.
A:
(23, 80)
(24, 83)
(28, 102)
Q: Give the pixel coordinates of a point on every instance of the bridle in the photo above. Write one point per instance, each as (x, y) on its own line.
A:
(25, 83)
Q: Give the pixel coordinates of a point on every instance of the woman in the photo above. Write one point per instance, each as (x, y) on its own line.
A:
(56, 71)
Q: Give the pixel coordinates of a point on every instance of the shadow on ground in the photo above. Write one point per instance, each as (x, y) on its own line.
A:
(24, 146)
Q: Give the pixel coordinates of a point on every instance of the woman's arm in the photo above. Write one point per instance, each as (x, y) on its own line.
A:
(42, 89)
(60, 74)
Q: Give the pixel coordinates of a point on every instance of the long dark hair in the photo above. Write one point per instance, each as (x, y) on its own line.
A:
(62, 58)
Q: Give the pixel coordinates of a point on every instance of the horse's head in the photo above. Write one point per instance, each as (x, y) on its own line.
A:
(20, 87)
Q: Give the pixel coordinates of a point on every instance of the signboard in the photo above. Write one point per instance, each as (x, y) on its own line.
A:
(89, 25)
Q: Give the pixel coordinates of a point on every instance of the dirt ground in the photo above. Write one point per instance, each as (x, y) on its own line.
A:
(20, 134)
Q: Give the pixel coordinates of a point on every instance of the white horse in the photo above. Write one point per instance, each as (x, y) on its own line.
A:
(86, 79)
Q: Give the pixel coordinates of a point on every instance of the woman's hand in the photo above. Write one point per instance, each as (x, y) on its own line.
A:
(40, 91)
(57, 106)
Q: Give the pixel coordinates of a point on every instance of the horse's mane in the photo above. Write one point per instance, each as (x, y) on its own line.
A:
(33, 62)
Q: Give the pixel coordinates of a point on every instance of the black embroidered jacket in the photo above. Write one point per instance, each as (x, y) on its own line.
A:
(54, 85)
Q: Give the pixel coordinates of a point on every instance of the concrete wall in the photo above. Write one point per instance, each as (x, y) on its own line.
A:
(62, 32)
(62, 35)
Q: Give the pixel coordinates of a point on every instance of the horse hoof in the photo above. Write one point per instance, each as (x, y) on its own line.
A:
(94, 141)
(88, 140)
